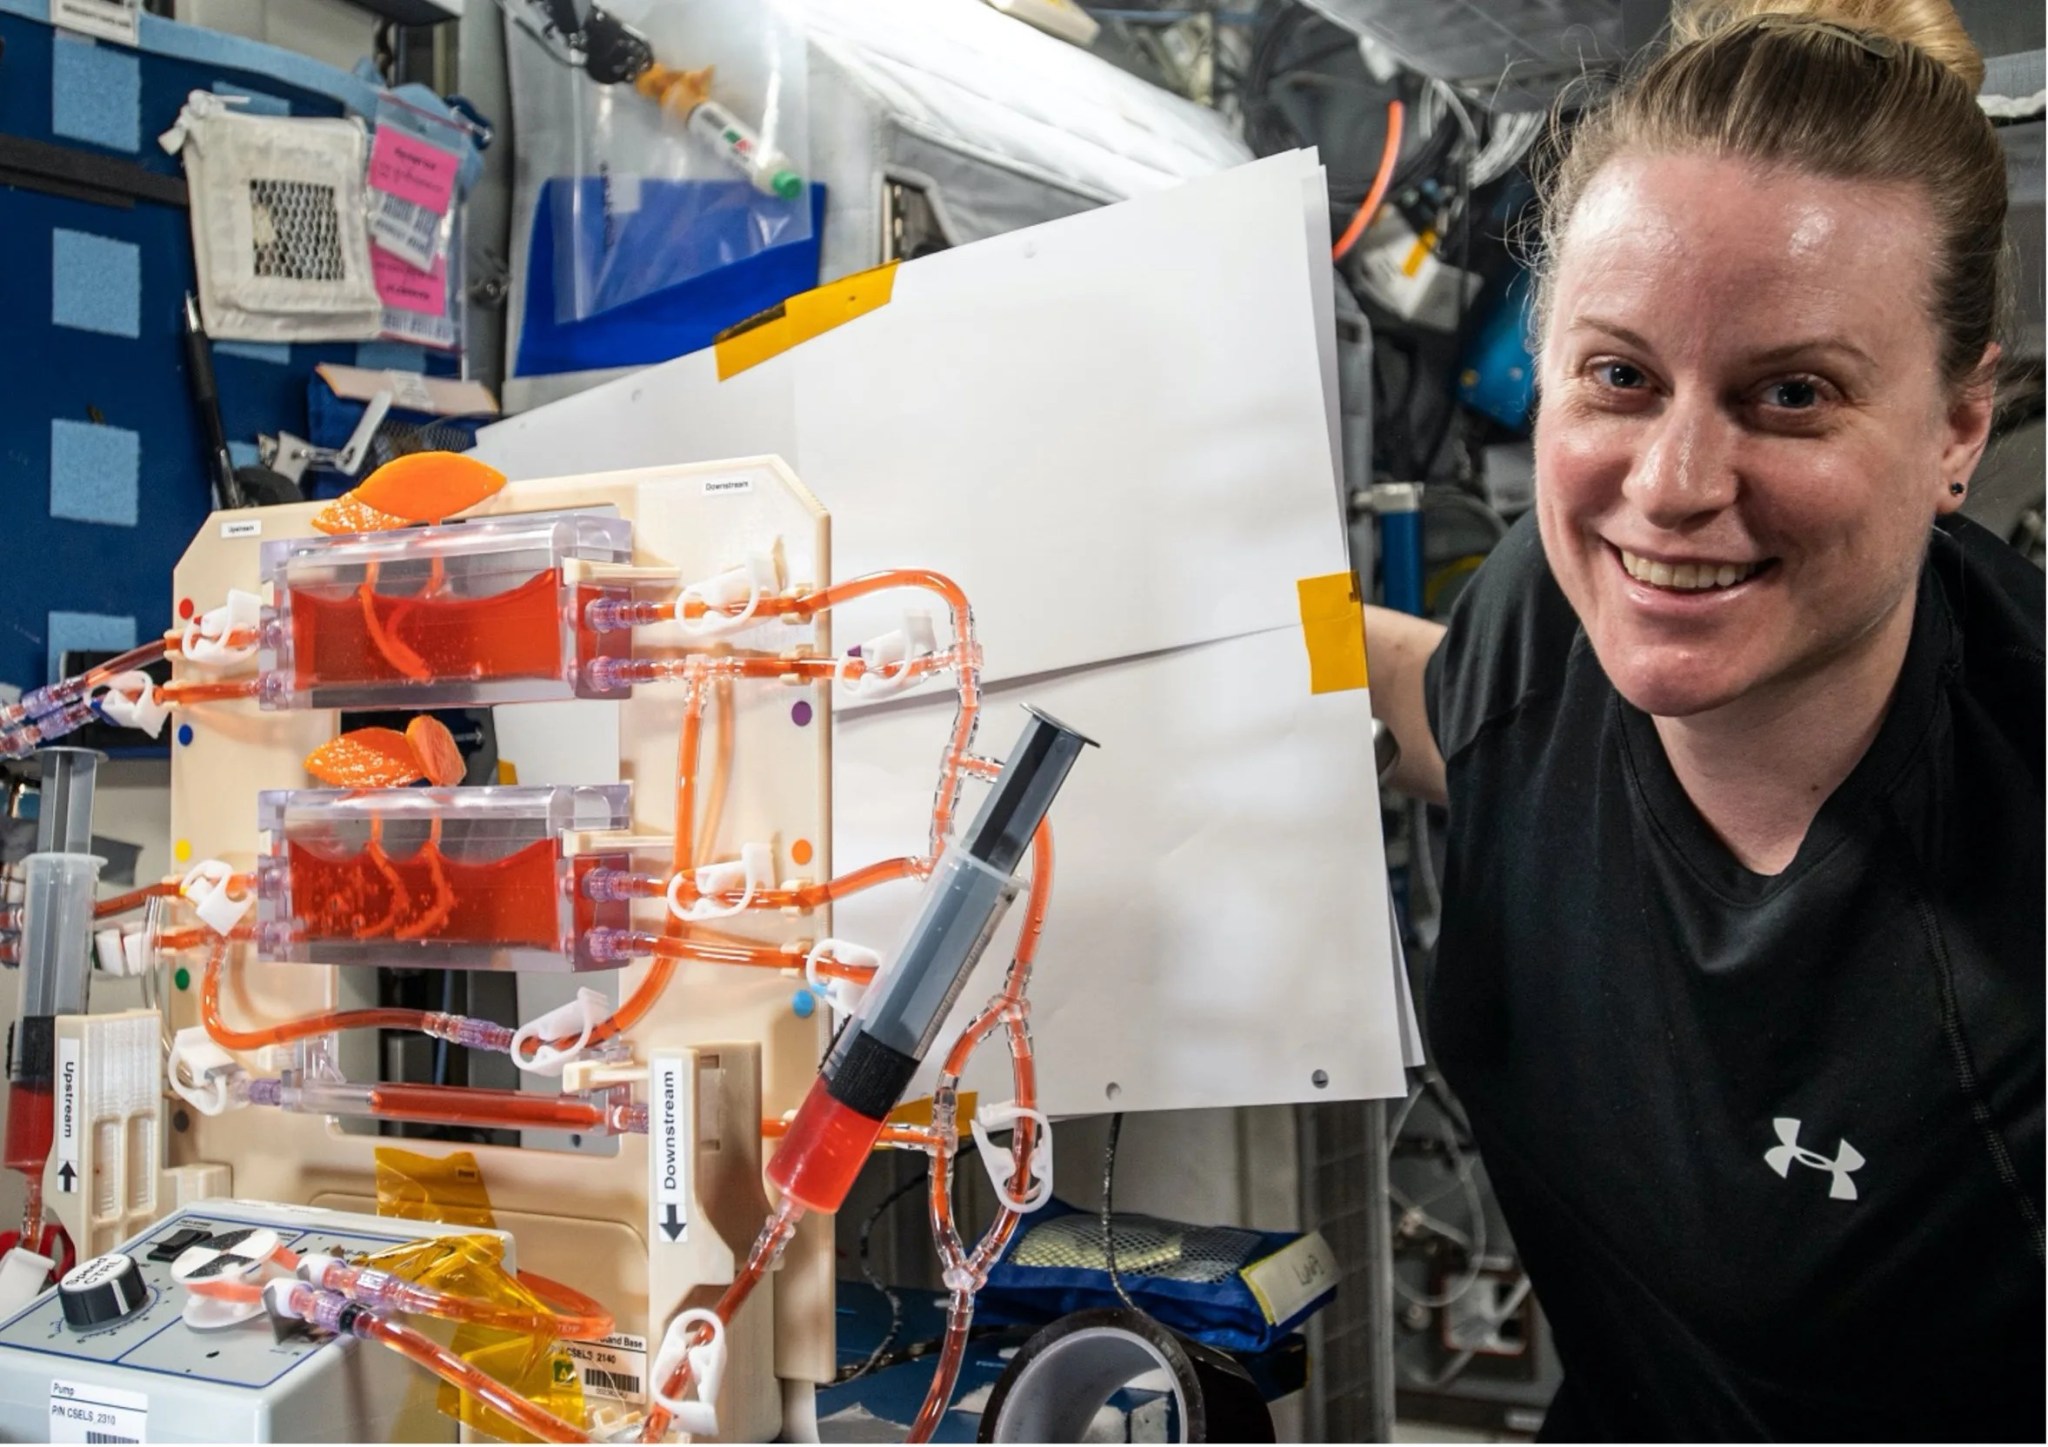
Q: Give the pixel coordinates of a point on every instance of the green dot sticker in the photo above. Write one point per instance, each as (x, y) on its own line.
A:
(182, 979)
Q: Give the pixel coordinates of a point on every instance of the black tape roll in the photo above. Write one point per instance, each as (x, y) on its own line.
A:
(1064, 1375)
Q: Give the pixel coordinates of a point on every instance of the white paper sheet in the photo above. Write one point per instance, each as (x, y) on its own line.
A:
(1219, 918)
(1117, 432)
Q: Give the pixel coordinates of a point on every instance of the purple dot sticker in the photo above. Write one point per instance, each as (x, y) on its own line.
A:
(801, 713)
(853, 652)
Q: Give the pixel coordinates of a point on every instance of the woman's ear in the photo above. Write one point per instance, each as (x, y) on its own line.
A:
(1969, 428)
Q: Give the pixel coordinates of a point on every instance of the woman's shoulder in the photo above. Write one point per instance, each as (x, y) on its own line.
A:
(1996, 599)
(1507, 641)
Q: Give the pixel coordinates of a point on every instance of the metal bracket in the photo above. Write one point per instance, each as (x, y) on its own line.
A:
(290, 457)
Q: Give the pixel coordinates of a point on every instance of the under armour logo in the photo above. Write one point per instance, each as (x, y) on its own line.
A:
(1780, 1158)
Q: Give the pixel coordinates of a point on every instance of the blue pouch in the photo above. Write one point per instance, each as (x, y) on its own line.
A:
(1225, 1286)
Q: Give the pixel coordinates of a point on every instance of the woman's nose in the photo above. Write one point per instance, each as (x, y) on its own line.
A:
(1686, 471)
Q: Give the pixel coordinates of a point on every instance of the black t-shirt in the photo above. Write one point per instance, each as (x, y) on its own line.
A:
(1771, 1147)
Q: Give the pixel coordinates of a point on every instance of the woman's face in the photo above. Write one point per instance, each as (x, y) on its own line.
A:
(1743, 433)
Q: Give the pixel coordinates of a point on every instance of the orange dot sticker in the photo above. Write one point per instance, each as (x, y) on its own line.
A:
(182, 850)
(801, 851)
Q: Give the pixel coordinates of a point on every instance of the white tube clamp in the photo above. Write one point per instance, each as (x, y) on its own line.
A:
(844, 996)
(209, 885)
(210, 1069)
(707, 1368)
(205, 636)
(745, 585)
(1003, 1164)
(751, 873)
(587, 1011)
(131, 702)
(886, 661)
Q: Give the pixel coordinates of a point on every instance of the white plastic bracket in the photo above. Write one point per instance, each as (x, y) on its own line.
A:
(744, 586)
(131, 702)
(1003, 1164)
(707, 1368)
(120, 950)
(886, 661)
(209, 884)
(205, 636)
(751, 873)
(210, 1070)
(587, 1011)
(844, 996)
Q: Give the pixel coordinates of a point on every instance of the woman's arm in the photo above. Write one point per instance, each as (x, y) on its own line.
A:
(1396, 648)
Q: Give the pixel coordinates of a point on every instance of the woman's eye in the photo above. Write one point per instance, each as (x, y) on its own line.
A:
(1794, 396)
(1620, 375)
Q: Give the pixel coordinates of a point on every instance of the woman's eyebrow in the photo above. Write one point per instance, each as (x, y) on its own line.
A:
(1613, 329)
(1786, 351)
(1809, 346)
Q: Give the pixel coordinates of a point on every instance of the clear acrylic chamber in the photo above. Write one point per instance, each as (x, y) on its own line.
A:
(458, 615)
(475, 879)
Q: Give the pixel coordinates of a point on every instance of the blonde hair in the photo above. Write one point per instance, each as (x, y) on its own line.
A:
(1865, 90)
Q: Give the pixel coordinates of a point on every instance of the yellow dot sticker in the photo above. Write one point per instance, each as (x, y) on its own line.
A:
(182, 850)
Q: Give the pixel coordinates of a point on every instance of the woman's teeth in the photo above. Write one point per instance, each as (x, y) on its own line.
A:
(1685, 576)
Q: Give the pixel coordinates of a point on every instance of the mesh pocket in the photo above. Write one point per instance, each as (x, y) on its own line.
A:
(295, 231)
(1145, 1246)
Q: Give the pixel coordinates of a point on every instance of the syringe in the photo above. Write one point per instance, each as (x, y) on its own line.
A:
(880, 1049)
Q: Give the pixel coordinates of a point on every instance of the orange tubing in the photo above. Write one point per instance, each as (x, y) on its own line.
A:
(229, 1038)
(809, 897)
(468, 1379)
(1389, 154)
(466, 1105)
(136, 898)
(969, 664)
(180, 692)
(892, 1135)
(767, 1250)
(174, 642)
(134, 658)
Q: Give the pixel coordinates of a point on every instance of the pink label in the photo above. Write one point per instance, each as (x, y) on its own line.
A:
(407, 289)
(412, 169)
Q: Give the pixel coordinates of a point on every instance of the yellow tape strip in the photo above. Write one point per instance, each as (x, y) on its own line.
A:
(803, 316)
(1333, 627)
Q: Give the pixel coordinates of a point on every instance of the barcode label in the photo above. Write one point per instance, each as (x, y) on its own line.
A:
(610, 1384)
(428, 331)
(404, 229)
(88, 1412)
(614, 1367)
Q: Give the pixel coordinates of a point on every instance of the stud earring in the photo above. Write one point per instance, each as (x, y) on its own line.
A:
(1955, 489)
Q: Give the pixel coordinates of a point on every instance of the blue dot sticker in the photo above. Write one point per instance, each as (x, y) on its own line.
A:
(185, 734)
(805, 1004)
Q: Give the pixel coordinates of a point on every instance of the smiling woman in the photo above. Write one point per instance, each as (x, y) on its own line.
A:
(1740, 973)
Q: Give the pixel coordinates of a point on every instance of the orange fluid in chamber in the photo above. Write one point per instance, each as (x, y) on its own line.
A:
(427, 896)
(363, 636)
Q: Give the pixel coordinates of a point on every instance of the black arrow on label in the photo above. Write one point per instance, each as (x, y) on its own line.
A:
(671, 1221)
(69, 1177)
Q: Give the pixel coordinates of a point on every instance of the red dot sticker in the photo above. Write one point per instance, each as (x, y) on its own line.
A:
(185, 608)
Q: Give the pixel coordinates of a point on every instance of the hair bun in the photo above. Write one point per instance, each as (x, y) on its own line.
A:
(1928, 25)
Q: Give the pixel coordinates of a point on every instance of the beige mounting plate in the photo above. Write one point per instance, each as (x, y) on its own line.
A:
(580, 1218)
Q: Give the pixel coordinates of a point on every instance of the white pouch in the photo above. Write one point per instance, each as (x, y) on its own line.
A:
(279, 224)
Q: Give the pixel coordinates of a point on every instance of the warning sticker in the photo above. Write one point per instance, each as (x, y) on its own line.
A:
(615, 1367)
(83, 1412)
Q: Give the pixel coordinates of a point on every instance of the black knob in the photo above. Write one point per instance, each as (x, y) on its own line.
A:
(102, 1290)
